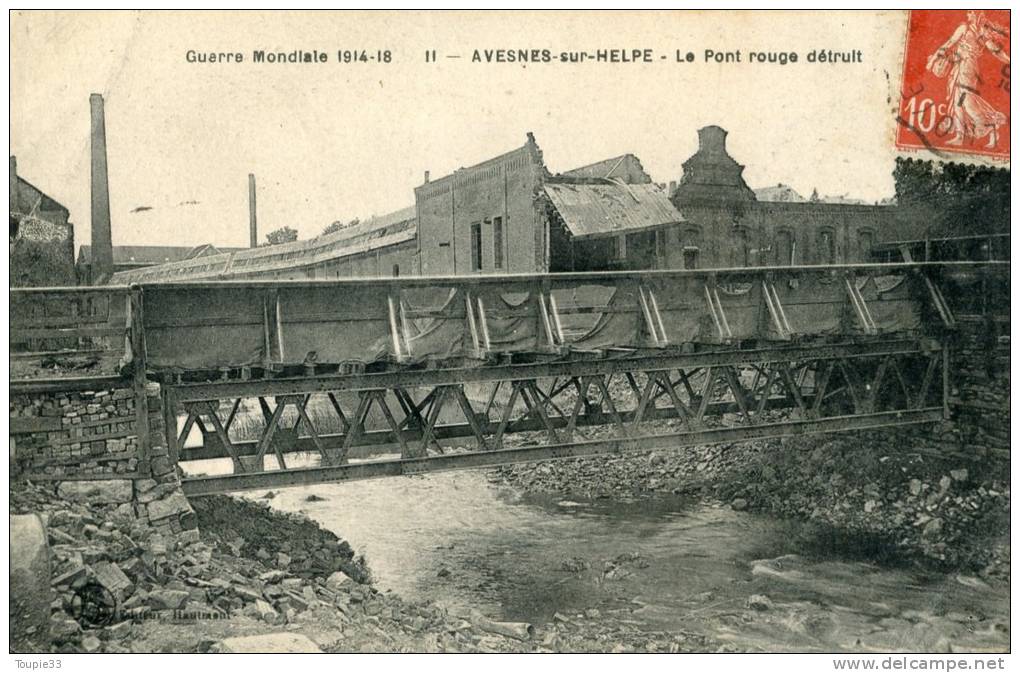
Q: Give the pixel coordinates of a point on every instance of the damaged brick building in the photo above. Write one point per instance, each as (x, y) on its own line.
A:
(510, 214)
(41, 237)
(728, 226)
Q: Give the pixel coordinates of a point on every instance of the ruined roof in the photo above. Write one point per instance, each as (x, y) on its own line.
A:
(372, 224)
(37, 200)
(626, 167)
(779, 193)
(373, 233)
(610, 208)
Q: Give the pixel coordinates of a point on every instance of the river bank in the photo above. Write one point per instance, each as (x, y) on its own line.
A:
(887, 504)
(731, 548)
(248, 570)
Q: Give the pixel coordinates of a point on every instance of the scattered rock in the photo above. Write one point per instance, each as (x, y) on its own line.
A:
(118, 631)
(933, 529)
(337, 580)
(759, 602)
(175, 504)
(959, 475)
(98, 492)
(272, 576)
(266, 613)
(575, 565)
(738, 504)
(91, 644)
(63, 629)
(167, 599)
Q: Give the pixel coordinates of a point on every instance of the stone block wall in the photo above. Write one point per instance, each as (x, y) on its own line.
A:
(75, 434)
(87, 446)
(980, 391)
(978, 426)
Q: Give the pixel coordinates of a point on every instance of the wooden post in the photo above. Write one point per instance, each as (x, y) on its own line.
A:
(137, 317)
(253, 229)
(170, 421)
(946, 388)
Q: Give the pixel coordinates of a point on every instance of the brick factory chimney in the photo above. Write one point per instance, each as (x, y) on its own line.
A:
(102, 240)
(253, 227)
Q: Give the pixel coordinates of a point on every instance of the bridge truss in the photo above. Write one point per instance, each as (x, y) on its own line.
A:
(288, 383)
(564, 409)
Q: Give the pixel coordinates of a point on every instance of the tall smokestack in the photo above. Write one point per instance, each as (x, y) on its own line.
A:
(102, 241)
(253, 226)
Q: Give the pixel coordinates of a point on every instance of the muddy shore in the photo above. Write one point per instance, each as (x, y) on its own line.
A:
(893, 505)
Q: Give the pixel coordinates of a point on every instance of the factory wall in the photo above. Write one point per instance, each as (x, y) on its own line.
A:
(463, 217)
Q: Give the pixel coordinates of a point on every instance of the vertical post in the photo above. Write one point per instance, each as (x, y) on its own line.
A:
(253, 230)
(546, 323)
(138, 374)
(170, 421)
(267, 358)
(394, 332)
(945, 381)
(471, 321)
(554, 309)
(405, 326)
(279, 326)
(484, 324)
(649, 322)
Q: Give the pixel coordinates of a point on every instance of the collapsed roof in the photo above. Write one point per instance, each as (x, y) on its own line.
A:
(607, 207)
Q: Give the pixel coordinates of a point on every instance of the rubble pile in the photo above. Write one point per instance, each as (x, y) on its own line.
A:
(948, 511)
(941, 510)
(287, 542)
(111, 563)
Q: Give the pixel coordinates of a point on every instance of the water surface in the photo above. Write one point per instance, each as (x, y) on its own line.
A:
(661, 564)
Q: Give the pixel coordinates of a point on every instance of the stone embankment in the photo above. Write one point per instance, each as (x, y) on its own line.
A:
(248, 578)
(902, 504)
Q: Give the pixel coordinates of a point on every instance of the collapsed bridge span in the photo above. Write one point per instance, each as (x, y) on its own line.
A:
(312, 381)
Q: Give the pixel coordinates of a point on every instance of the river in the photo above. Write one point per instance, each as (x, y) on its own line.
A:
(662, 564)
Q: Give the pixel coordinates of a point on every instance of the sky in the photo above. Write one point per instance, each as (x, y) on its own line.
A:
(331, 141)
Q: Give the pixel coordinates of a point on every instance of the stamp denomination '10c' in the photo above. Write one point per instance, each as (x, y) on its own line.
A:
(955, 89)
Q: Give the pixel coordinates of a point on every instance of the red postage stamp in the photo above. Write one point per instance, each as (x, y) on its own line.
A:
(955, 89)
